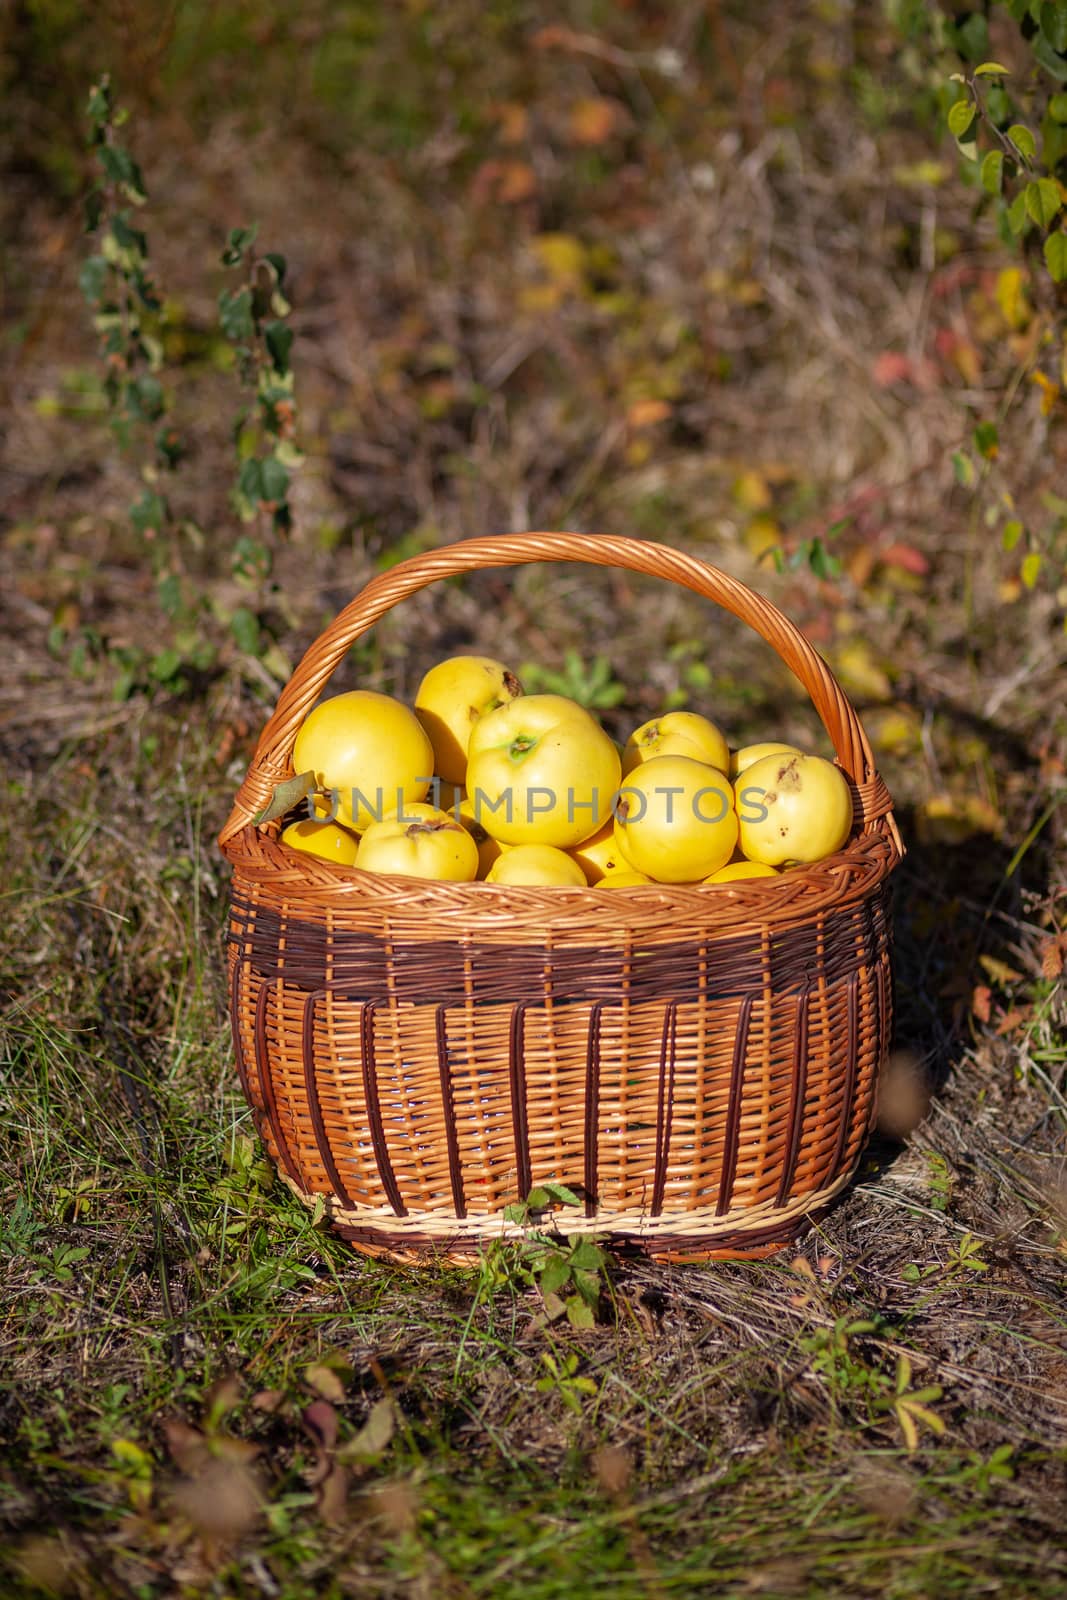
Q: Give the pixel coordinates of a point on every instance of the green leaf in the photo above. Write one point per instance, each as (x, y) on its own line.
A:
(235, 314)
(556, 1273)
(244, 625)
(822, 563)
(1056, 256)
(1044, 54)
(166, 665)
(237, 242)
(93, 279)
(998, 105)
(960, 117)
(1018, 221)
(992, 173)
(972, 37)
(1057, 107)
(279, 341)
(588, 1256)
(1011, 534)
(278, 262)
(94, 209)
(1043, 201)
(911, 1273)
(1054, 24)
(561, 1194)
(144, 398)
(149, 512)
(588, 1286)
(250, 480)
(169, 590)
(1030, 569)
(986, 440)
(123, 170)
(286, 795)
(251, 558)
(99, 107)
(991, 69)
(170, 446)
(580, 1315)
(1023, 140)
(274, 480)
(963, 467)
(127, 237)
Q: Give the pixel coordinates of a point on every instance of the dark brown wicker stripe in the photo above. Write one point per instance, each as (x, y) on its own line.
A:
(849, 1093)
(796, 1103)
(733, 1108)
(455, 1168)
(235, 1027)
(592, 1107)
(307, 1045)
(440, 972)
(517, 1079)
(665, 1104)
(374, 1109)
(267, 1083)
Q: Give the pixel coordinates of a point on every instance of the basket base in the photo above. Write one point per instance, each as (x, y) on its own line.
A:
(680, 1239)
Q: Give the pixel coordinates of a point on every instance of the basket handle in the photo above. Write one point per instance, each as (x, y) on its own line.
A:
(271, 761)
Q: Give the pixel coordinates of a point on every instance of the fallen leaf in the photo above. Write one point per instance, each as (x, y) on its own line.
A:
(751, 492)
(646, 413)
(222, 1502)
(1050, 392)
(1052, 957)
(374, 1436)
(325, 1381)
(320, 1420)
(999, 970)
(612, 1468)
(332, 1494)
(512, 120)
(891, 367)
(506, 182)
(187, 1445)
(223, 1397)
(1010, 295)
(593, 121)
(905, 556)
(562, 256)
(982, 1002)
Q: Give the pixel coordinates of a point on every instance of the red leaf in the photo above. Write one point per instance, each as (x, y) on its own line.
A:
(892, 366)
(981, 1002)
(320, 1420)
(1052, 958)
(905, 556)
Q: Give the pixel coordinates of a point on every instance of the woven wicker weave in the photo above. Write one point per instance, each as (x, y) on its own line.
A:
(698, 1063)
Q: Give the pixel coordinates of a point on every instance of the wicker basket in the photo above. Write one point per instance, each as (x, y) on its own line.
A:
(699, 1064)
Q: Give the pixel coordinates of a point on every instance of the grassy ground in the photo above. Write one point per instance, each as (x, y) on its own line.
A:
(200, 1391)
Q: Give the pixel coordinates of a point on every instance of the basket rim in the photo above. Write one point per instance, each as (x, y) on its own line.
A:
(318, 890)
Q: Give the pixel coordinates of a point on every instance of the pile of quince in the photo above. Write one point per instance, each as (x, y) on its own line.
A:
(482, 781)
